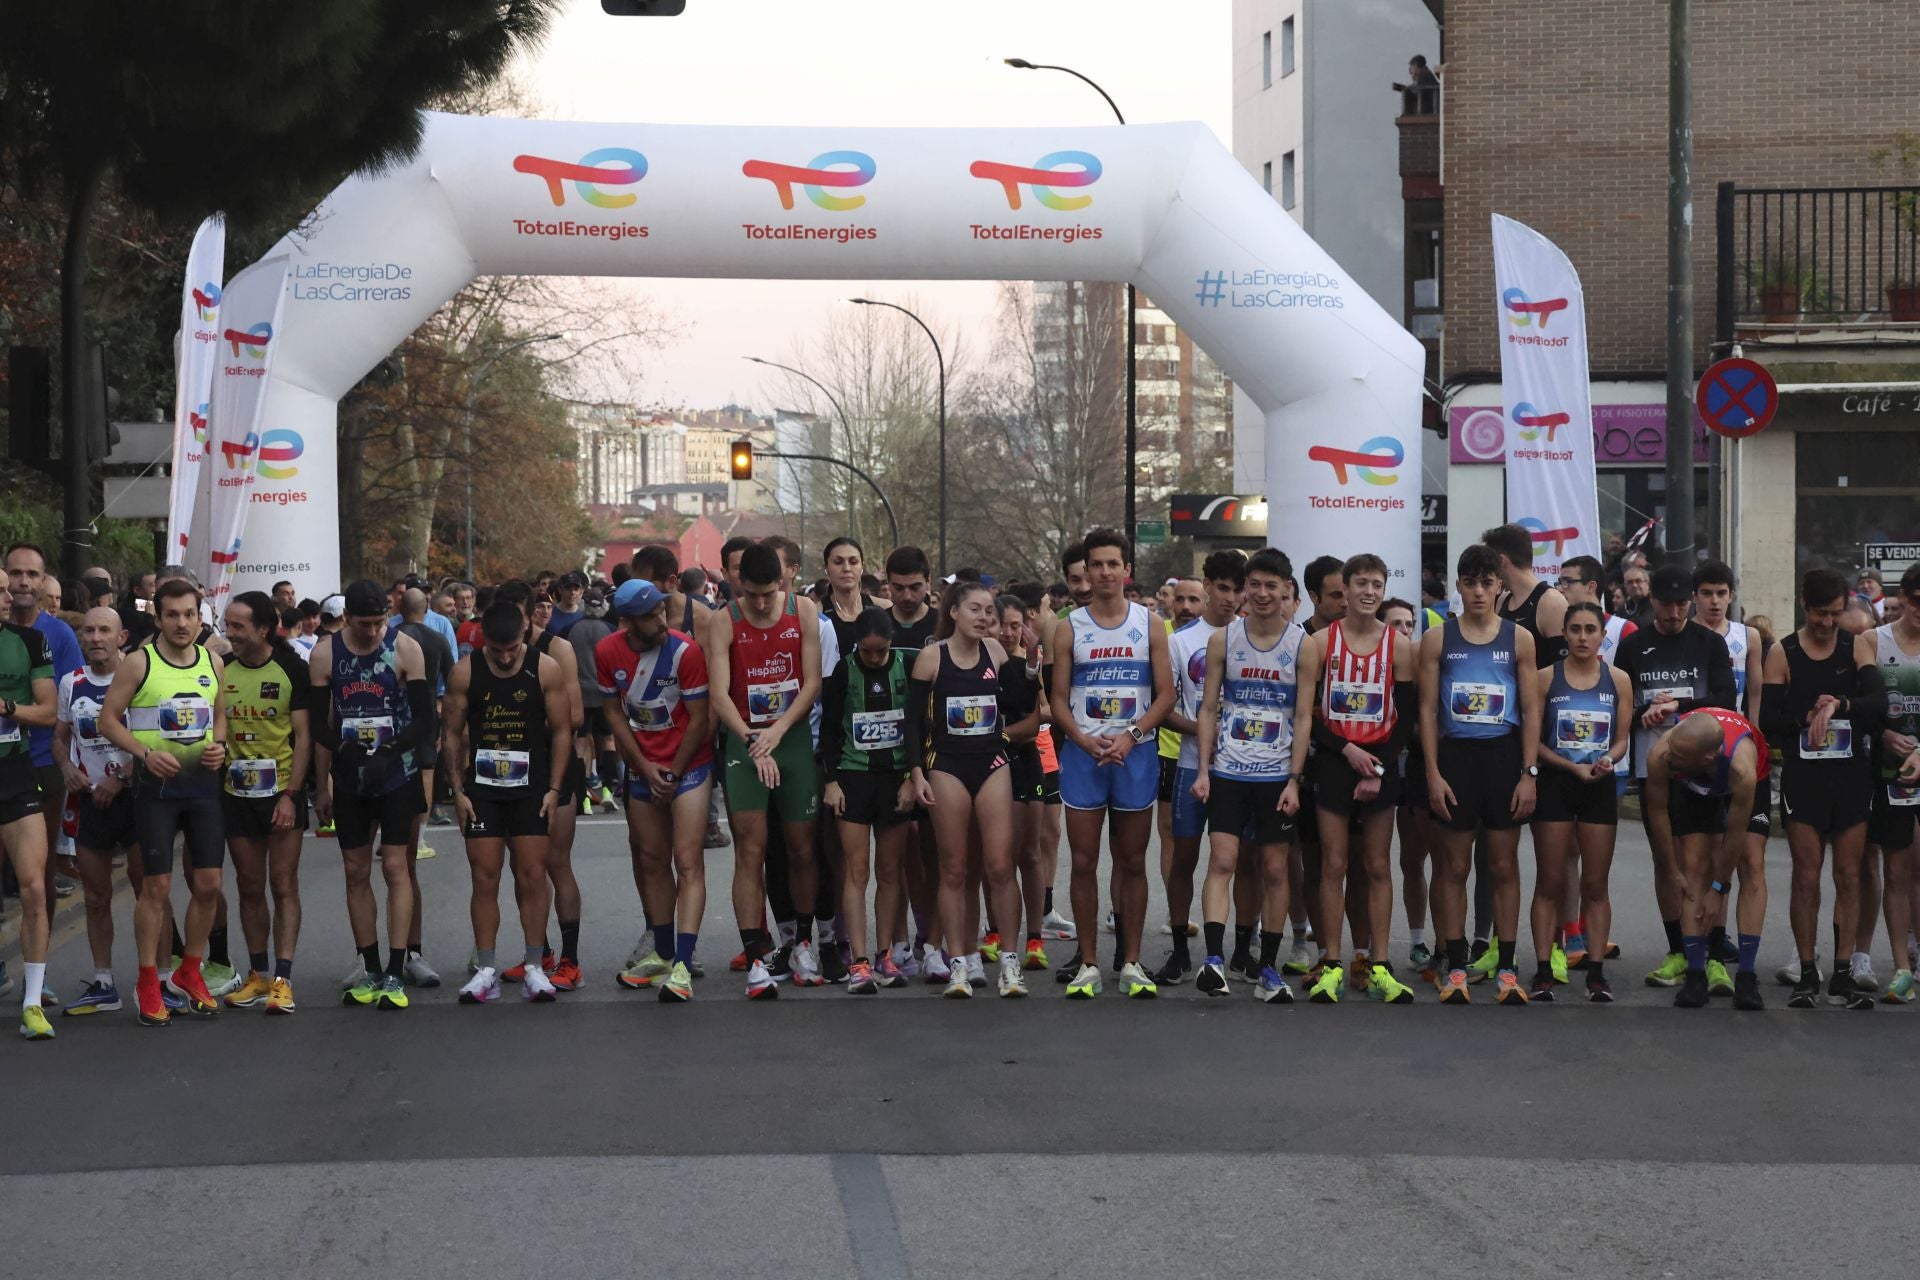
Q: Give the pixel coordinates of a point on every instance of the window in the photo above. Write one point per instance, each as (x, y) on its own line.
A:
(1286, 47)
(1266, 59)
(1266, 177)
(1286, 181)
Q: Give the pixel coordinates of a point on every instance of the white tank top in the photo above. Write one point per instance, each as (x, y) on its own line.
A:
(1112, 670)
(1738, 637)
(1610, 643)
(1257, 695)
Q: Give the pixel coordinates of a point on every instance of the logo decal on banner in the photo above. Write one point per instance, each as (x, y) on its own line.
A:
(588, 175)
(279, 449)
(228, 556)
(197, 419)
(1377, 456)
(1521, 310)
(1542, 536)
(816, 176)
(1531, 421)
(1043, 176)
(207, 299)
(254, 340)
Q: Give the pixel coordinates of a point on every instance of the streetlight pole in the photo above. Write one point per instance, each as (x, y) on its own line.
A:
(846, 425)
(941, 360)
(472, 387)
(1133, 436)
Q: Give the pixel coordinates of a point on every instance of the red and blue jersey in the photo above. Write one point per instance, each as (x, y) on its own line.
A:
(653, 688)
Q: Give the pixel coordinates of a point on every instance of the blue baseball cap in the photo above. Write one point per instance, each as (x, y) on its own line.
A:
(636, 598)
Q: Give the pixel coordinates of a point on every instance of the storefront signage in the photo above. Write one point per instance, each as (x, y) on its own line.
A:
(1217, 515)
(1623, 435)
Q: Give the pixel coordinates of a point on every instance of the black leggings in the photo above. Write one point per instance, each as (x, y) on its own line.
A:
(972, 769)
(158, 818)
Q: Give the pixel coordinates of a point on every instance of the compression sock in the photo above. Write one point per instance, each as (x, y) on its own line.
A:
(1180, 939)
(397, 962)
(1456, 953)
(1215, 935)
(1242, 939)
(789, 930)
(370, 958)
(283, 969)
(1048, 909)
(217, 947)
(663, 938)
(257, 961)
(1270, 948)
(1673, 935)
(570, 940)
(683, 945)
(1506, 953)
(34, 978)
(1749, 951)
(1695, 948)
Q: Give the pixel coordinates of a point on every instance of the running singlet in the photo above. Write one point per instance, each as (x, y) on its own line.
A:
(1733, 727)
(508, 738)
(1618, 629)
(1578, 723)
(963, 709)
(871, 731)
(1112, 671)
(83, 694)
(1257, 692)
(23, 659)
(172, 711)
(1479, 691)
(654, 688)
(911, 637)
(1187, 654)
(1900, 672)
(1736, 637)
(260, 705)
(764, 663)
(1525, 615)
(1807, 679)
(1356, 691)
(369, 702)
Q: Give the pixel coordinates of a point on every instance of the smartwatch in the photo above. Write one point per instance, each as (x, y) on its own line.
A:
(1533, 771)
(1138, 734)
(1722, 887)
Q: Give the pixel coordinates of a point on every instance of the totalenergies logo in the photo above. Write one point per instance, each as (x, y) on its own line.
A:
(278, 451)
(228, 556)
(197, 419)
(240, 453)
(1370, 462)
(207, 300)
(1043, 176)
(1521, 310)
(828, 169)
(588, 175)
(1543, 536)
(1532, 421)
(253, 341)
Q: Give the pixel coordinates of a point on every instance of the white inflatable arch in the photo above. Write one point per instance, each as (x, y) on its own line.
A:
(1163, 206)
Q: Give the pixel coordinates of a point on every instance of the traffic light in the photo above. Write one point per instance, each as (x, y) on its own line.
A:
(743, 458)
(644, 8)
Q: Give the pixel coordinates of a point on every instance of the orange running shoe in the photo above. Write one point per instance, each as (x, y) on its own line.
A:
(1359, 972)
(738, 964)
(1453, 990)
(192, 988)
(566, 975)
(1509, 990)
(1036, 957)
(518, 973)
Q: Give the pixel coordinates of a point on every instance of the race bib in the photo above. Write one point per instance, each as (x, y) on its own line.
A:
(185, 719)
(9, 729)
(1906, 795)
(1351, 702)
(879, 730)
(1836, 745)
(1254, 727)
(1112, 706)
(254, 779)
(650, 717)
(768, 702)
(1478, 703)
(1578, 732)
(1651, 696)
(373, 732)
(493, 768)
(973, 716)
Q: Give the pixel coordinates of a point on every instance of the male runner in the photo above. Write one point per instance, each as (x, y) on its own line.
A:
(1891, 826)
(27, 703)
(1112, 687)
(1178, 602)
(26, 567)
(1327, 594)
(1820, 684)
(909, 573)
(1480, 734)
(373, 687)
(688, 613)
(764, 674)
(507, 743)
(267, 690)
(438, 647)
(594, 742)
(1358, 679)
(1535, 606)
(655, 680)
(164, 709)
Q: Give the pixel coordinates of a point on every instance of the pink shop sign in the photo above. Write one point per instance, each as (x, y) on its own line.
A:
(1623, 434)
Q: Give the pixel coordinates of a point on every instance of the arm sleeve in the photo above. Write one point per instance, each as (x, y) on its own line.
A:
(833, 702)
(419, 716)
(1776, 717)
(1406, 710)
(1869, 700)
(919, 694)
(1325, 738)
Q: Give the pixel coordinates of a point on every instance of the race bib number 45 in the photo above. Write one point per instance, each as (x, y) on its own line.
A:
(1255, 728)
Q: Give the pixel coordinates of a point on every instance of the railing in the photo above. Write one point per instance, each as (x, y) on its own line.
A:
(1818, 257)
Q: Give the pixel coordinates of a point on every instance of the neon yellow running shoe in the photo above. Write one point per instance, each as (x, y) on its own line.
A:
(1327, 989)
(1672, 971)
(365, 991)
(1557, 963)
(1086, 984)
(1383, 986)
(1719, 982)
(34, 1024)
(1488, 964)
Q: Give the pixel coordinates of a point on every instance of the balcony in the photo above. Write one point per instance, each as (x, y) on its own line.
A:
(1811, 264)
(1419, 124)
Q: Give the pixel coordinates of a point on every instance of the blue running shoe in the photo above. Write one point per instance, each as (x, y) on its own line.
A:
(173, 1002)
(95, 999)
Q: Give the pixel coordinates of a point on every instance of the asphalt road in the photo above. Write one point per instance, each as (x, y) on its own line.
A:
(612, 1135)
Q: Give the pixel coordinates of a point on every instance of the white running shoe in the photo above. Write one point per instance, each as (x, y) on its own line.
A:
(1301, 957)
(1111, 924)
(482, 988)
(353, 975)
(806, 967)
(418, 972)
(1863, 976)
(1013, 984)
(958, 988)
(537, 987)
(1788, 974)
(760, 983)
(933, 965)
(976, 971)
(905, 961)
(1056, 926)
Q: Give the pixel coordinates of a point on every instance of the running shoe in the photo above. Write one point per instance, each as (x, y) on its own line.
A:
(586, 804)
(194, 992)
(1384, 987)
(1013, 983)
(738, 964)
(933, 965)
(717, 838)
(1327, 989)
(1359, 973)
(1178, 965)
(519, 971)
(1212, 978)
(644, 972)
(905, 960)
(1454, 989)
(418, 973)
(1111, 924)
(1746, 992)
(34, 1024)
(1575, 950)
(958, 988)
(1069, 968)
(990, 948)
(280, 997)
(1557, 964)
(1135, 983)
(1508, 989)
(538, 988)
(392, 994)
(353, 976)
(326, 831)
(1842, 992)
(171, 1002)
(1304, 956)
(1419, 959)
(1086, 983)
(886, 971)
(424, 852)
(1242, 967)
(49, 999)
(1671, 973)
(1719, 981)
(1599, 990)
(860, 980)
(976, 972)
(1864, 978)
(1273, 989)
(98, 998)
(1899, 991)
(220, 978)
(482, 988)
(1036, 957)
(833, 964)
(249, 993)
(805, 966)
(1543, 983)
(566, 975)
(364, 992)
(1806, 990)
(760, 983)
(1612, 952)
(678, 987)
(1788, 974)
(1487, 964)
(1056, 926)
(1693, 991)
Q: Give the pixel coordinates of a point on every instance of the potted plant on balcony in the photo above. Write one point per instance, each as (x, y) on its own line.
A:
(1903, 158)
(1781, 286)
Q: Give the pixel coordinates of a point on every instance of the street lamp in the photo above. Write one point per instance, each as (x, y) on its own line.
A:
(473, 386)
(846, 425)
(1133, 442)
(940, 360)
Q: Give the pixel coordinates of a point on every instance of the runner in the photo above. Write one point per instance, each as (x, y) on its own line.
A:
(27, 703)
(379, 708)
(688, 612)
(266, 689)
(164, 709)
(909, 574)
(1416, 846)
(1890, 826)
(662, 724)
(1536, 607)
(1251, 750)
(438, 644)
(1720, 760)
(1820, 683)
(507, 732)
(957, 749)
(1480, 733)
(594, 742)
(1111, 688)
(1021, 706)
(1359, 683)
(1179, 816)
(1583, 737)
(1583, 581)
(764, 670)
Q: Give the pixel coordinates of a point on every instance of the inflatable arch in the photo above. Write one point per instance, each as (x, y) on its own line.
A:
(1164, 206)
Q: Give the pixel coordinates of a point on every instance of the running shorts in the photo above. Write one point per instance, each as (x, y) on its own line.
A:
(505, 816)
(1189, 815)
(251, 817)
(1025, 761)
(797, 798)
(1482, 774)
(1829, 799)
(1561, 797)
(19, 789)
(872, 799)
(698, 776)
(158, 817)
(1235, 804)
(1127, 787)
(1169, 778)
(1693, 814)
(393, 812)
(1334, 782)
(108, 829)
(1891, 826)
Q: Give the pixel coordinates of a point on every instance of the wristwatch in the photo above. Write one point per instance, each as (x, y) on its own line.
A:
(1533, 771)
(1721, 887)
(11, 708)
(1138, 734)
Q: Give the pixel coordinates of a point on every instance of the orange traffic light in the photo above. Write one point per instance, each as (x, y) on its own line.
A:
(743, 459)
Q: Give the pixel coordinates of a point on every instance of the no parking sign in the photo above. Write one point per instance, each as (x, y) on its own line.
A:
(1737, 398)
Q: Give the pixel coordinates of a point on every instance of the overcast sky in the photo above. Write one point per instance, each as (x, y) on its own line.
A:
(864, 62)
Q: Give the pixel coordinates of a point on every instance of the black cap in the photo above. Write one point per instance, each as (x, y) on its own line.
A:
(365, 599)
(1671, 583)
(573, 578)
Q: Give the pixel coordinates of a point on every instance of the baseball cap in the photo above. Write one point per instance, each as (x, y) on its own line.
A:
(1671, 583)
(572, 578)
(365, 598)
(334, 606)
(636, 598)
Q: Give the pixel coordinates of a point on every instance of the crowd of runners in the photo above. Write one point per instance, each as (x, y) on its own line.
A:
(894, 760)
